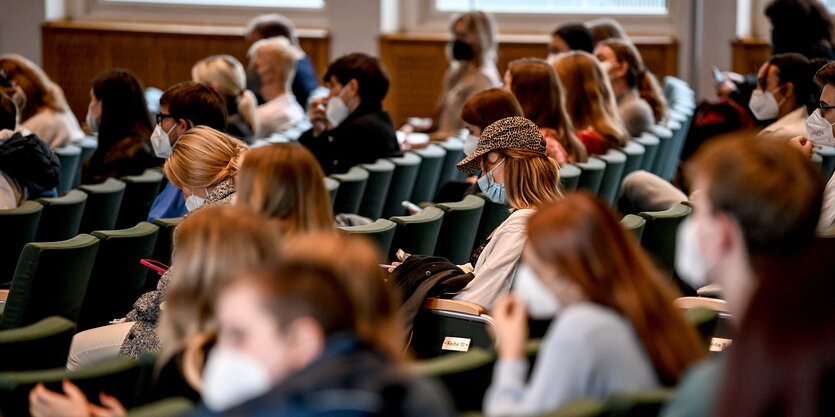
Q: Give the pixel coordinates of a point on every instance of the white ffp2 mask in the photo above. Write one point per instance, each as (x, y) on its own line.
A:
(232, 378)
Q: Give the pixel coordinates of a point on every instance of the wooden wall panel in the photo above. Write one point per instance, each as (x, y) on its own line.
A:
(160, 55)
(749, 55)
(417, 64)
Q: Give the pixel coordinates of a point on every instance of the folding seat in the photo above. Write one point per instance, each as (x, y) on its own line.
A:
(446, 326)
(432, 163)
(402, 183)
(351, 188)
(140, 193)
(61, 216)
(459, 228)
(381, 232)
(102, 207)
(41, 345)
(377, 188)
(19, 226)
(417, 234)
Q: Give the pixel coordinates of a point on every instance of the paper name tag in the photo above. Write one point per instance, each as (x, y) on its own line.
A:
(718, 344)
(458, 344)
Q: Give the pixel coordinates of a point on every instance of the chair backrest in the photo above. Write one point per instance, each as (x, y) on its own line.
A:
(635, 153)
(466, 375)
(19, 226)
(351, 188)
(377, 188)
(102, 207)
(118, 376)
(659, 238)
(140, 192)
(459, 228)
(418, 234)
(638, 404)
(650, 142)
(615, 163)
(162, 248)
(169, 407)
(591, 177)
(381, 232)
(665, 145)
(69, 156)
(585, 407)
(41, 345)
(685, 118)
(432, 162)
(492, 216)
(88, 147)
(118, 278)
(332, 186)
(569, 177)
(50, 280)
(61, 216)
(454, 154)
(827, 154)
(402, 183)
(634, 224)
(446, 326)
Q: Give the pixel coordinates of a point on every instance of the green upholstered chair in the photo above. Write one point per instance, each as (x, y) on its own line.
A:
(827, 154)
(638, 404)
(431, 165)
(169, 407)
(665, 144)
(569, 177)
(634, 152)
(443, 321)
(659, 238)
(118, 278)
(466, 375)
(406, 170)
(418, 234)
(615, 163)
(88, 147)
(19, 226)
(102, 207)
(705, 321)
(491, 217)
(50, 280)
(332, 186)
(69, 156)
(684, 117)
(381, 232)
(591, 177)
(454, 148)
(650, 142)
(458, 229)
(43, 344)
(119, 377)
(163, 248)
(586, 407)
(61, 216)
(377, 188)
(140, 193)
(634, 224)
(351, 188)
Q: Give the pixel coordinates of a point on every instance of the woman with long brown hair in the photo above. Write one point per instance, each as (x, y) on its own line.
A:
(535, 85)
(590, 102)
(616, 330)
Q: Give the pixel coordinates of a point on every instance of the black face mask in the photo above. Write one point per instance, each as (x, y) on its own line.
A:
(462, 51)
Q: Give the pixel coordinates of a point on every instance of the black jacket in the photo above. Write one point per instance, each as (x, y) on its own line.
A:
(366, 135)
(30, 162)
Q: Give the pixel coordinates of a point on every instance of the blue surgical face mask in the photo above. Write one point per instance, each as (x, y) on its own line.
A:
(493, 190)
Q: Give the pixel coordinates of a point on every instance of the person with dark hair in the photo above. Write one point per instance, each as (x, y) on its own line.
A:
(271, 26)
(118, 113)
(757, 200)
(182, 107)
(569, 37)
(350, 126)
(802, 26)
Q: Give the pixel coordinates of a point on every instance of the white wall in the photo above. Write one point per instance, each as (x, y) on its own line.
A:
(20, 27)
(712, 46)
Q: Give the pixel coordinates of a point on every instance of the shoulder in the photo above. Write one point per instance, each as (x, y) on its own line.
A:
(590, 321)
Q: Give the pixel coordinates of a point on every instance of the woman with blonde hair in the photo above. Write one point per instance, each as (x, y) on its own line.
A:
(640, 100)
(226, 75)
(590, 102)
(534, 83)
(616, 329)
(285, 182)
(46, 112)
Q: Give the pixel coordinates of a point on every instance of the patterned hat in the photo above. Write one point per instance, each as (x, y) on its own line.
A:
(508, 133)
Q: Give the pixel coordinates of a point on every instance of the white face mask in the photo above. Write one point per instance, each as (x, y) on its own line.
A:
(337, 111)
(194, 202)
(92, 124)
(607, 66)
(231, 378)
(537, 298)
(160, 141)
(763, 104)
(470, 144)
(690, 262)
(819, 130)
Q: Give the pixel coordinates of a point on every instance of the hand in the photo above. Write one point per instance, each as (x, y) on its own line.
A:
(110, 407)
(805, 145)
(317, 116)
(46, 403)
(395, 264)
(511, 322)
(472, 179)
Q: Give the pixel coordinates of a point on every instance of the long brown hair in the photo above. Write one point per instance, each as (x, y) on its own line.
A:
(638, 76)
(531, 79)
(39, 89)
(490, 106)
(589, 99)
(286, 183)
(581, 238)
(532, 179)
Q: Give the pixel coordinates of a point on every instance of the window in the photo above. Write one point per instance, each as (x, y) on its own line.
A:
(300, 4)
(644, 7)
(830, 4)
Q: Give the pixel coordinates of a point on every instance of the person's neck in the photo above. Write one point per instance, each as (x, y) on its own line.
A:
(273, 90)
(738, 269)
(619, 86)
(788, 106)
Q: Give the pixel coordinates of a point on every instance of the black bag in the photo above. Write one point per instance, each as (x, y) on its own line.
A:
(31, 162)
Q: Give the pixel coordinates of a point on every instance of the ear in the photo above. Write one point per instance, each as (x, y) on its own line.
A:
(730, 233)
(355, 86)
(307, 341)
(621, 69)
(184, 124)
(788, 90)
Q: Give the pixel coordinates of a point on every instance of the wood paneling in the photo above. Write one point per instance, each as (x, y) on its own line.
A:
(749, 54)
(161, 55)
(417, 64)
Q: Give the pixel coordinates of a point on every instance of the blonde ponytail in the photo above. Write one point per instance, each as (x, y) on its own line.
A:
(248, 109)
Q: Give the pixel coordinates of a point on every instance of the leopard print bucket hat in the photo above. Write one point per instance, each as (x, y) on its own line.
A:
(509, 133)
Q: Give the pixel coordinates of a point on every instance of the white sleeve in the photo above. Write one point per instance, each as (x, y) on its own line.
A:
(828, 209)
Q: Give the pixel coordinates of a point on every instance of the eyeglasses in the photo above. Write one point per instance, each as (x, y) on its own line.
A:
(824, 107)
(162, 116)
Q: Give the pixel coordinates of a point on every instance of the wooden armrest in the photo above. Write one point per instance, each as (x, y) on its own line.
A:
(453, 305)
(4, 295)
(715, 304)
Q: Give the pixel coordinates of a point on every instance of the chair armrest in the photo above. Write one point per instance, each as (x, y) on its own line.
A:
(453, 305)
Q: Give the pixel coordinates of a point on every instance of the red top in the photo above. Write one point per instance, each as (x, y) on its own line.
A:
(594, 143)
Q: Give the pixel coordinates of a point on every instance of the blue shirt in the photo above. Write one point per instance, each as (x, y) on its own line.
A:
(170, 203)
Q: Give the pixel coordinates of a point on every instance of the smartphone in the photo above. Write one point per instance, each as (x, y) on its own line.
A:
(401, 255)
(412, 207)
(717, 75)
